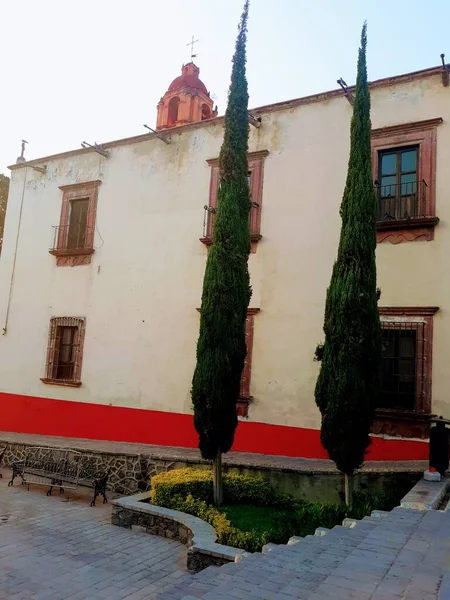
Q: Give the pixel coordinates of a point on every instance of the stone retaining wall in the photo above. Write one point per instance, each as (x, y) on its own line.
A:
(129, 473)
(136, 513)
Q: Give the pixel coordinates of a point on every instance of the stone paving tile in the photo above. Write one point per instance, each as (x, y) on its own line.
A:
(56, 550)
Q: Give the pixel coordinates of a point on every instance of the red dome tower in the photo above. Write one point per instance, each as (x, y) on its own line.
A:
(186, 101)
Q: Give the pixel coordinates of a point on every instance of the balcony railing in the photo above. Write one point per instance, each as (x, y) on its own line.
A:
(70, 238)
(210, 216)
(402, 201)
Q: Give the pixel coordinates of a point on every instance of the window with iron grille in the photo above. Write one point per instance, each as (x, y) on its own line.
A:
(73, 239)
(255, 182)
(403, 365)
(65, 351)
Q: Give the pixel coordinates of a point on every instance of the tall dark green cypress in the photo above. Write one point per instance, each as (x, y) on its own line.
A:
(348, 382)
(221, 347)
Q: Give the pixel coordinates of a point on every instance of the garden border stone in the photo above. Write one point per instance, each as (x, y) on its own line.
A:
(137, 514)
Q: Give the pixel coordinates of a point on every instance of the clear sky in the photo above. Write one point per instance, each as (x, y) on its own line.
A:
(94, 70)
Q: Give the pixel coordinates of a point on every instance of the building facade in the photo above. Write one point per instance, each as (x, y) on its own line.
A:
(103, 259)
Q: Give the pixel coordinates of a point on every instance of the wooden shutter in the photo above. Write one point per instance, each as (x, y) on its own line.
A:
(76, 237)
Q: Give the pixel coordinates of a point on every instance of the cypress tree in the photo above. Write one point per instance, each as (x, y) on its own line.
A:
(348, 381)
(221, 347)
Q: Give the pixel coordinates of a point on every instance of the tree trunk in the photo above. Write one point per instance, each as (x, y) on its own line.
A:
(348, 488)
(217, 479)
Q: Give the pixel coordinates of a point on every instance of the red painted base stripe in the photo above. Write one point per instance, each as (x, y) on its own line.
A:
(45, 416)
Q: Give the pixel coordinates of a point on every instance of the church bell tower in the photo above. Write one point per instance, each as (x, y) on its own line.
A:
(186, 101)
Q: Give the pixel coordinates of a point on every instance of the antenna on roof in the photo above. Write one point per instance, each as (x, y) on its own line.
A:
(97, 147)
(347, 92)
(445, 72)
(191, 44)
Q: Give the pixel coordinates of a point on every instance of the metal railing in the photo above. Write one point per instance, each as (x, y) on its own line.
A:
(209, 218)
(71, 238)
(401, 201)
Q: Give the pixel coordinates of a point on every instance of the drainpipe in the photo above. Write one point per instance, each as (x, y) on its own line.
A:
(5, 327)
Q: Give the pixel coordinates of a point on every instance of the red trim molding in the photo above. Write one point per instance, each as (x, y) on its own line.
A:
(45, 416)
(75, 187)
(72, 252)
(408, 311)
(403, 128)
(258, 155)
(254, 238)
(48, 381)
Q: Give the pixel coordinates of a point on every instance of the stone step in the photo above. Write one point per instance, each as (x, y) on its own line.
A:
(349, 522)
(345, 562)
(372, 520)
(321, 531)
(379, 514)
(295, 539)
(269, 547)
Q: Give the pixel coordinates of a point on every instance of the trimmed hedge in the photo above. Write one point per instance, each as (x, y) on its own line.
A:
(226, 533)
(190, 491)
(237, 489)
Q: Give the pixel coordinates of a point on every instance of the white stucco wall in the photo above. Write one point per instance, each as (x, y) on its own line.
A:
(141, 290)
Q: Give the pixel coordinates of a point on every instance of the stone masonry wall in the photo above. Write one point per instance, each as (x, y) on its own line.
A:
(136, 513)
(129, 473)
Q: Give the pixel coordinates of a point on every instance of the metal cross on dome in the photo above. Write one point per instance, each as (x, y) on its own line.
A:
(191, 44)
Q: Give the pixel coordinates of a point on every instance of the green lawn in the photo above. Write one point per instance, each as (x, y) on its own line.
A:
(255, 518)
(280, 523)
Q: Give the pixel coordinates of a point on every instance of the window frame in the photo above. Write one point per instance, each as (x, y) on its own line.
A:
(389, 203)
(66, 256)
(421, 354)
(422, 134)
(256, 171)
(53, 349)
(245, 397)
(410, 423)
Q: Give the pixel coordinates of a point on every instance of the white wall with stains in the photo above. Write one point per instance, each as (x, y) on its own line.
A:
(140, 293)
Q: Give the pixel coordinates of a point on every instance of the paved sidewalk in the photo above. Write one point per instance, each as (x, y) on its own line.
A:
(239, 459)
(56, 550)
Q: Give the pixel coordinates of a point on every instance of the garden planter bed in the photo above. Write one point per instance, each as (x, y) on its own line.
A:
(136, 512)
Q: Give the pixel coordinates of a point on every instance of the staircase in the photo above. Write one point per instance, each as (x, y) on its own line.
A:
(402, 554)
